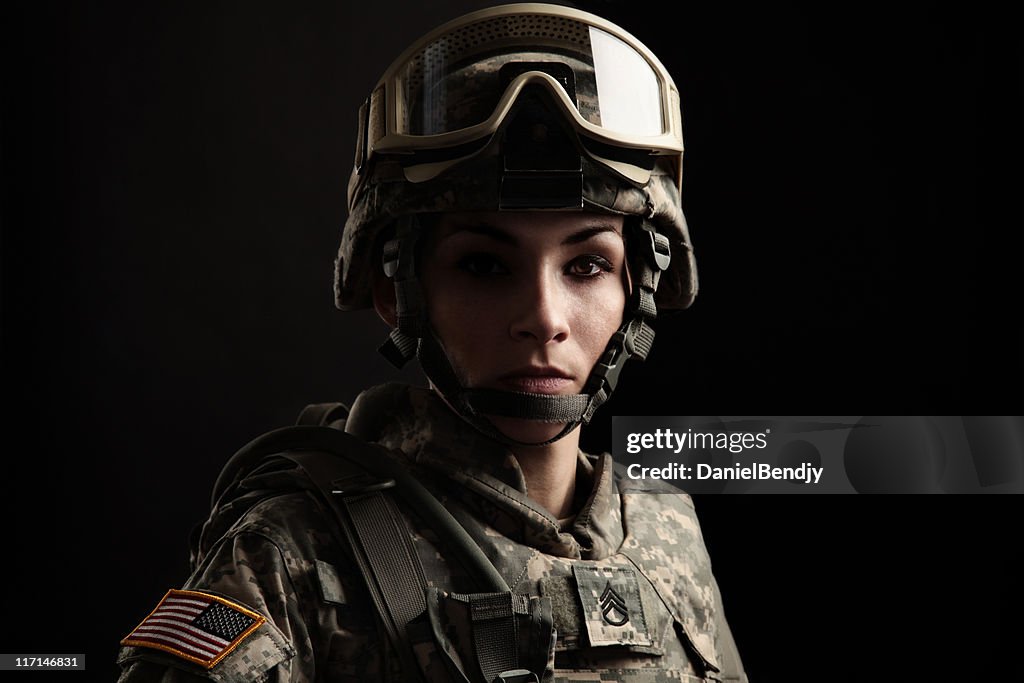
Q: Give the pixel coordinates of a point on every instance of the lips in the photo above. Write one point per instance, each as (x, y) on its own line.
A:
(537, 380)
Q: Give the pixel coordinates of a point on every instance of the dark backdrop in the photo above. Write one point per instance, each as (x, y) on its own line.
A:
(173, 191)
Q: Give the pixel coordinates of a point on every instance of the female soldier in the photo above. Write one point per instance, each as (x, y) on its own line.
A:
(514, 216)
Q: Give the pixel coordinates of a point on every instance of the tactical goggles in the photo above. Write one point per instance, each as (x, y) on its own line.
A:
(445, 97)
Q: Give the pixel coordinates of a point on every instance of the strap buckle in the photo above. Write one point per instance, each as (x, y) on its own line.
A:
(516, 676)
(360, 483)
(609, 367)
(660, 252)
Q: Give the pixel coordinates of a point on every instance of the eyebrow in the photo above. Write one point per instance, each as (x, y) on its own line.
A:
(495, 233)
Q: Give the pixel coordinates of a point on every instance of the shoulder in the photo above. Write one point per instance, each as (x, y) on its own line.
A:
(281, 480)
(300, 530)
(293, 520)
(280, 570)
(270, 555)
(662, 493)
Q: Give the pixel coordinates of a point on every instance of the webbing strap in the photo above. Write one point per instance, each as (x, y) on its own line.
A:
(397, 575)
(495, 634)
(322, 413)
(369, 458)
(381, 545)
(541, 407)
(359, 484)
(495, 630)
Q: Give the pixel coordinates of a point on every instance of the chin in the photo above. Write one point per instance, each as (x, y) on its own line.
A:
(527, 431)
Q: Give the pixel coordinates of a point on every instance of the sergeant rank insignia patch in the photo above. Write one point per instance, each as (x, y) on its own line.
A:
(612, 609)
(196, 626)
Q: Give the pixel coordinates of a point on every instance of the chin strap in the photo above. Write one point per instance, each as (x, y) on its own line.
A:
(413, 337)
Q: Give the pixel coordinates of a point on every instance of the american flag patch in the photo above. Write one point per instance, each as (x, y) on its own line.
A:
(199, 627)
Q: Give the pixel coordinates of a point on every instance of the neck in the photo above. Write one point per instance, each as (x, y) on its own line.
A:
(550, 473)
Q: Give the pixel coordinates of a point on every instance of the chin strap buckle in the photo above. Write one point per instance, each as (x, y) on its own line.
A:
(399, 348)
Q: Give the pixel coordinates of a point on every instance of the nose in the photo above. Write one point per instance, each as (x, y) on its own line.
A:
(540, 312)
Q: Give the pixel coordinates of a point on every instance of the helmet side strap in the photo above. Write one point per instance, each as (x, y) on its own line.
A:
(399, 262)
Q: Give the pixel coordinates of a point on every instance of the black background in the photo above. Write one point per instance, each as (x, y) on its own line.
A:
(173, 192)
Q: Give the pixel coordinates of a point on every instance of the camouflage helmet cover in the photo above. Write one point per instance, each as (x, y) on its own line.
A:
(380, 190)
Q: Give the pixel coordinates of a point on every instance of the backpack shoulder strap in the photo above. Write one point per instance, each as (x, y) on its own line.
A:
(379, 540)
(359, 480)
(347, 475)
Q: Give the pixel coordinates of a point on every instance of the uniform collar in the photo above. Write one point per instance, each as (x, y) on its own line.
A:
(486, 474)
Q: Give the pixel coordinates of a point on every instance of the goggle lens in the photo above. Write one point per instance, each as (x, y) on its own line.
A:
(454, 82)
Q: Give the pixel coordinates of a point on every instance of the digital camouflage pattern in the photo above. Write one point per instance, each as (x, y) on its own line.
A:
(379, 196)
(454, 82)
(379, 191)
(623, 592)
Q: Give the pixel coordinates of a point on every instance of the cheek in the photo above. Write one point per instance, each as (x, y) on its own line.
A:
(473, 322)
(465, 321)
(461, 322)
(599, 316)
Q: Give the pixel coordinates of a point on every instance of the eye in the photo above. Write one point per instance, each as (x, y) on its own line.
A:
(589, 266)
(481, 264)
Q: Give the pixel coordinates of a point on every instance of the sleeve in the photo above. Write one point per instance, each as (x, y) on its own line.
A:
(728, 654)
(239, 618)
(283, 566)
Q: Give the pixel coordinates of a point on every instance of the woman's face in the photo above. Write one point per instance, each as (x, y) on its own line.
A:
(525, 301)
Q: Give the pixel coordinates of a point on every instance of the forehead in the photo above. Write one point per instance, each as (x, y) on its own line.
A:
(530, 225)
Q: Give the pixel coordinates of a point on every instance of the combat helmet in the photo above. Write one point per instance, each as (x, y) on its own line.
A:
(519, 107)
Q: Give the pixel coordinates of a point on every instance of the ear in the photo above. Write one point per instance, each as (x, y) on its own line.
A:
(384, 298)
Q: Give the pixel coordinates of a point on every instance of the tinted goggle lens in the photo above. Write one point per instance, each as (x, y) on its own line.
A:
(458, 80)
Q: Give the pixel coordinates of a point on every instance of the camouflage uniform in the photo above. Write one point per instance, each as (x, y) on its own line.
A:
(626, 583)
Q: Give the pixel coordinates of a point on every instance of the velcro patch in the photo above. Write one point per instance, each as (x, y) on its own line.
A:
(196, 626)
(612, 611)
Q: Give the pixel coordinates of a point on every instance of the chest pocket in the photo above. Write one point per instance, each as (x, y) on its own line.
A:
(476, 636)
(611, 619)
